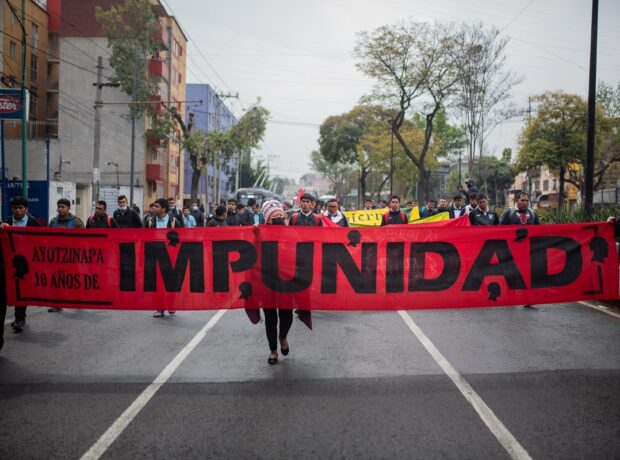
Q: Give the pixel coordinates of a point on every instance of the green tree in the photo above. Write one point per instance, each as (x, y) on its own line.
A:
(340, 139)
(336, 172)
(412, 63)
(131, 29)
(213, 147)
(556, 138)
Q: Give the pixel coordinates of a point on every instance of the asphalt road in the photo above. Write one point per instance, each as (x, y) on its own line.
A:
(361, 385)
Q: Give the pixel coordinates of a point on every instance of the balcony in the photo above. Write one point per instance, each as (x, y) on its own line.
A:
(158, 68)
(154, 172)
(152, 140)
(161, 37)
(157, 105)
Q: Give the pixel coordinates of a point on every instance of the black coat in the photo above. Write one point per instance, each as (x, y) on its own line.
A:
(127, 219)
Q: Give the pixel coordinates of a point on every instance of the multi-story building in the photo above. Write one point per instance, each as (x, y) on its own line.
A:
(211, 113)
(62, 73)
(163, 163)
(36, 28)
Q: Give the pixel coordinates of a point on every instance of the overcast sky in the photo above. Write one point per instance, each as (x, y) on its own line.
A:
(296, 55)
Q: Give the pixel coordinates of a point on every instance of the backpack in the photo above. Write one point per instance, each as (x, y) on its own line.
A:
(90, 219)
(317, 219)
(386, 218)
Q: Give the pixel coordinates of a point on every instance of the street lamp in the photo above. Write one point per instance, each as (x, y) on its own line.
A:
(115, 164)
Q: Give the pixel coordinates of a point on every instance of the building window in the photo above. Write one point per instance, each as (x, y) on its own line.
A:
(13, 50)
(537, 185)
(13, 18)
(34, 35)
(34, 64)
(545, 185)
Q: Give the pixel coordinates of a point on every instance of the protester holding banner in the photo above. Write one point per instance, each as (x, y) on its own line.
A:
(394, 216)
(334, 213)
(456, 209)
(64, 219)
(305, 216)
(19, 218)
(482, 215)
(442, 206)
(162, 218)
(429, 210)
(274, 215)
(521, 214)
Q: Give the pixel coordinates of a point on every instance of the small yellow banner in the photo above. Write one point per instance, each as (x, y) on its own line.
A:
(373, 217)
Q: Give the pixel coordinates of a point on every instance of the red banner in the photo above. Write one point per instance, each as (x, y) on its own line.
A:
(395, 267)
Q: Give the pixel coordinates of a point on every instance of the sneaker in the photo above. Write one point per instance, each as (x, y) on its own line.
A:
(172, 312)
(54, 310)
(18, 325)
(158, 314)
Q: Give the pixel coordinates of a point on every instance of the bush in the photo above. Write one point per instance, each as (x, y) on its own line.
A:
(555, 216)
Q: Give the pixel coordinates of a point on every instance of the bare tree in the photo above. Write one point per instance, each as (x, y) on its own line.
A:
(484, 86)
(412, 62)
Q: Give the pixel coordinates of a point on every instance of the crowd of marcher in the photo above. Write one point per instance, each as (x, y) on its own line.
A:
(163, 213)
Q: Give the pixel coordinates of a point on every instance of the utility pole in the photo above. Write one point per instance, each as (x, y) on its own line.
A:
(97, 152)
(217, 161)
(132, 171)
(589, 173)
(97, 143)
(24, 107)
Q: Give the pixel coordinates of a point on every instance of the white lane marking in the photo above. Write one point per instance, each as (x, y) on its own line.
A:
(600, 308)
(106, 440)
(505, 437)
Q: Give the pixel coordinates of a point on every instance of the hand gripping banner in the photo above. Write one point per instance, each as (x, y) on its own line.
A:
(395, 267)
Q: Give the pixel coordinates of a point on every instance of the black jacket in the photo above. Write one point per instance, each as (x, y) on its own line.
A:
(215, 222)
(101, 222)
(477, 217)
(127, 219)
(32, 221)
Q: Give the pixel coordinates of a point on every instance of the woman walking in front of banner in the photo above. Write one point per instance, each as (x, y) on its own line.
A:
(274, 215)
